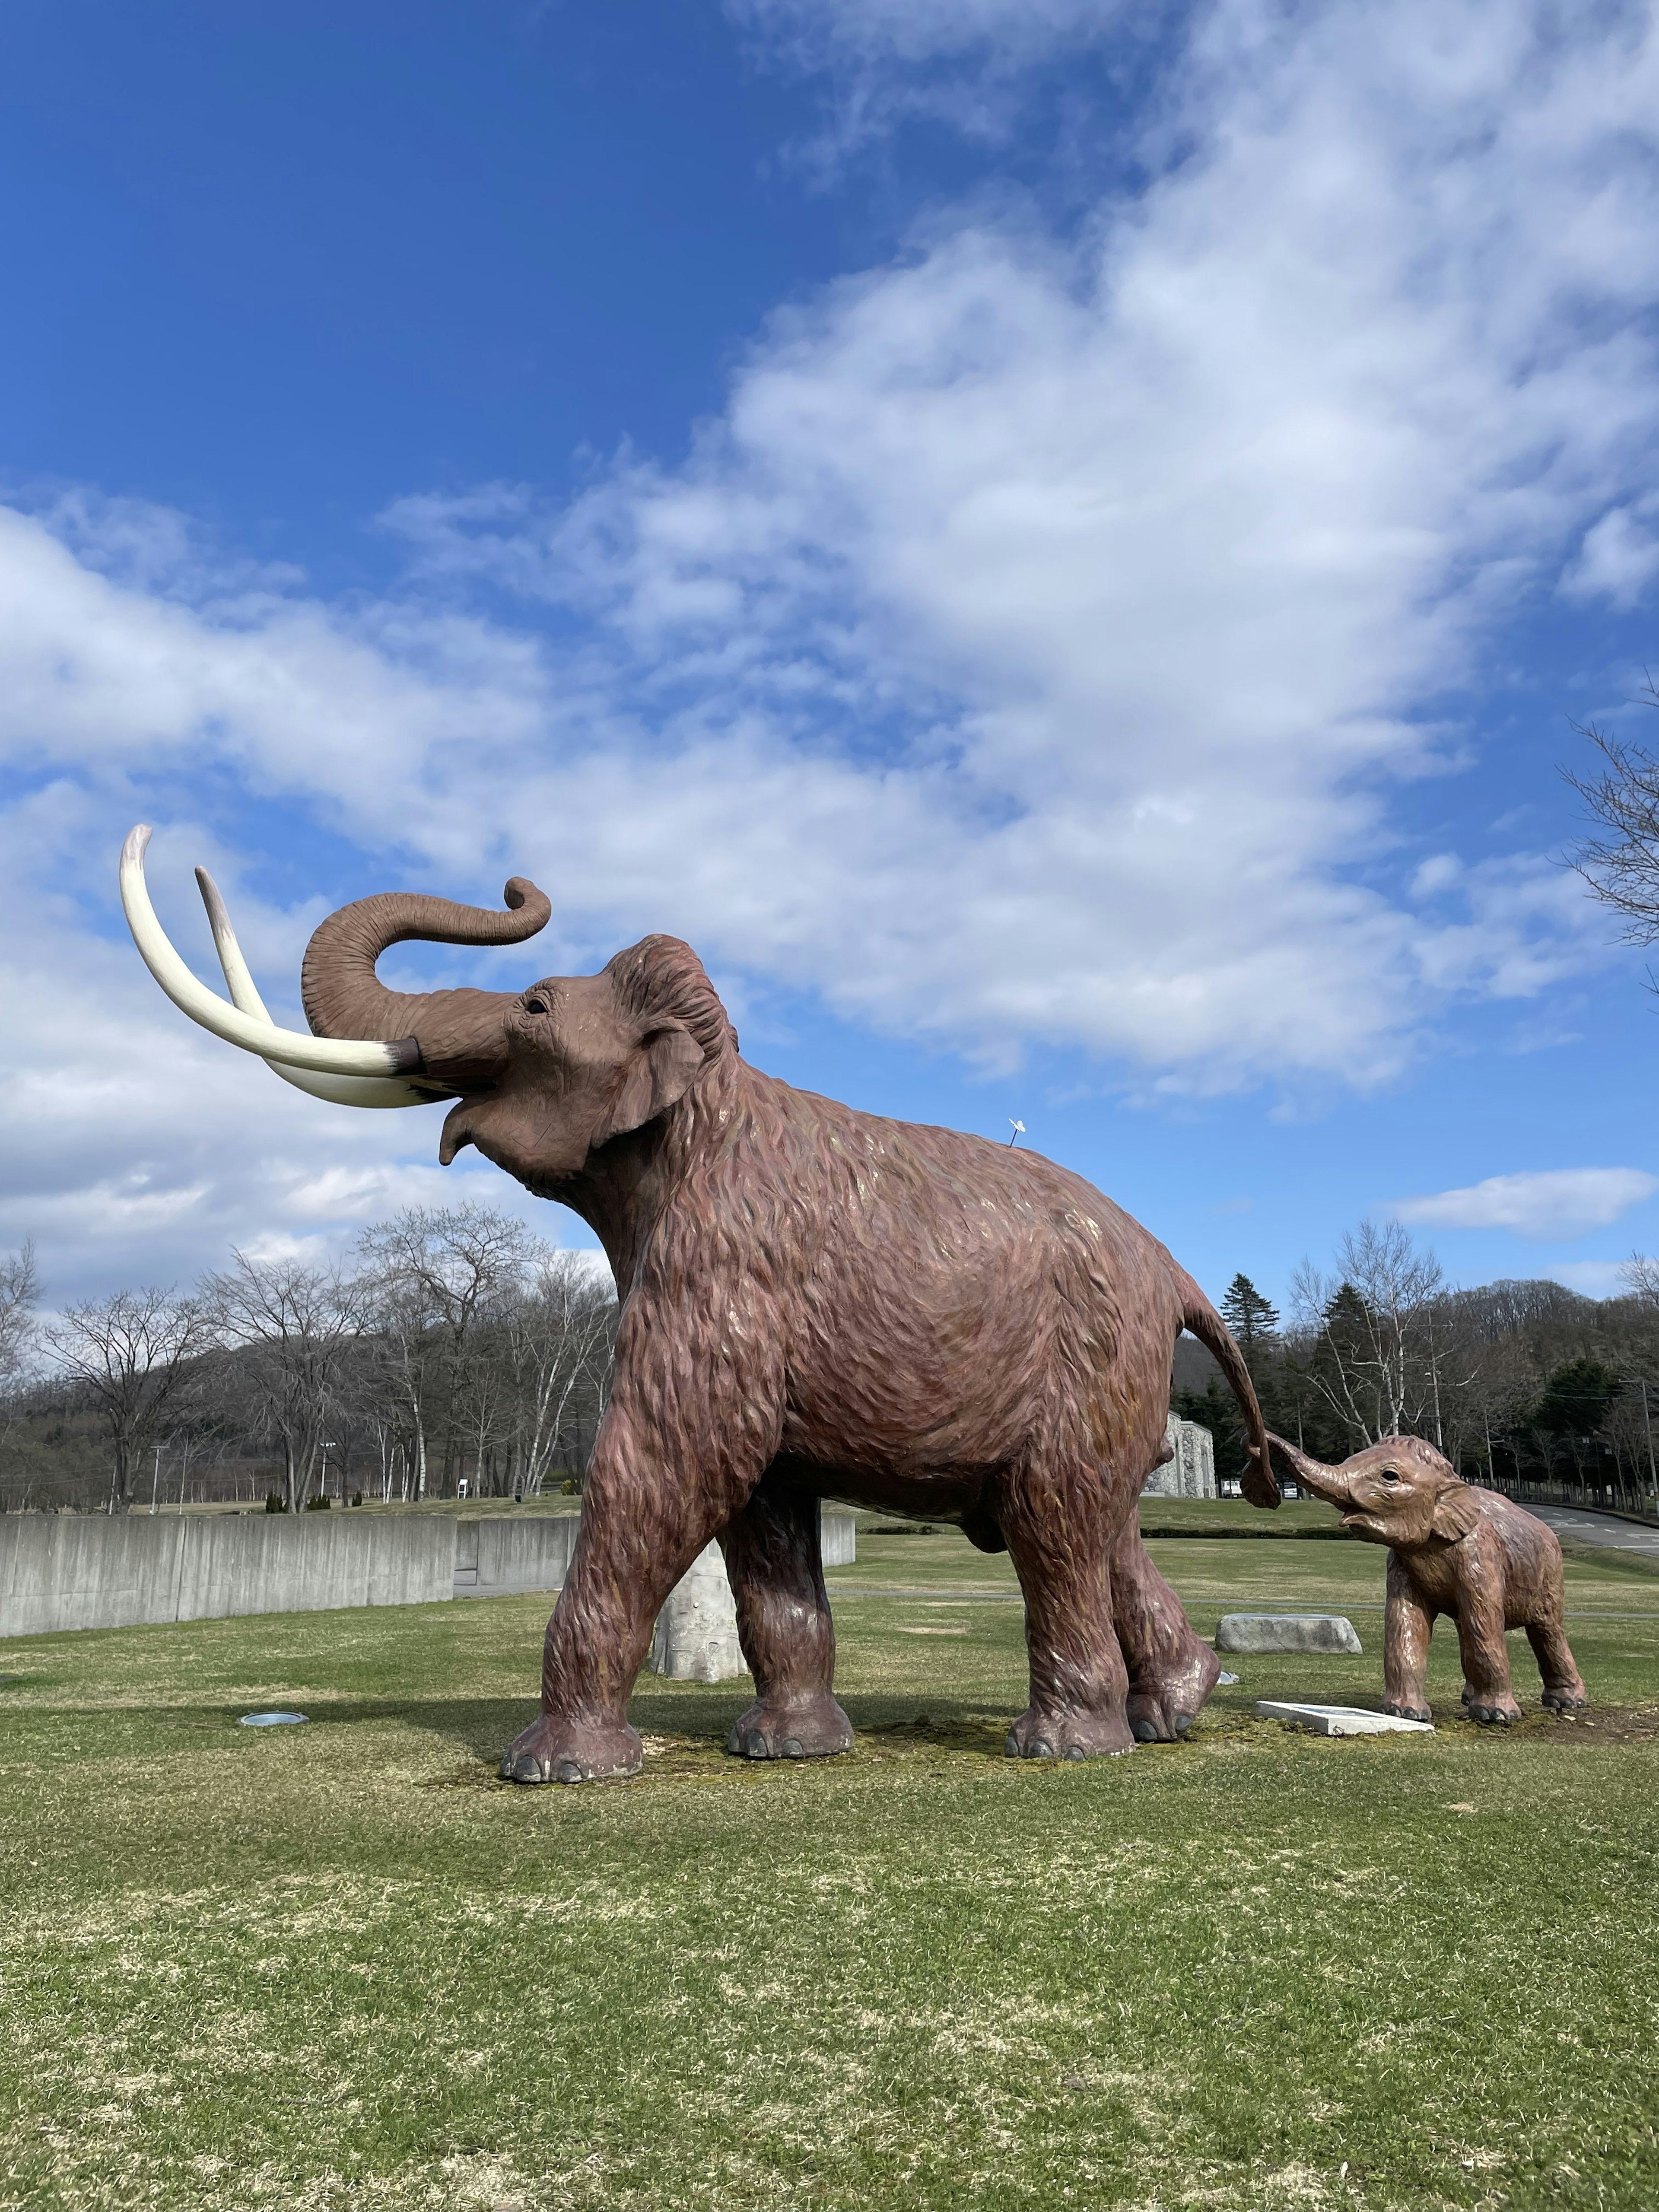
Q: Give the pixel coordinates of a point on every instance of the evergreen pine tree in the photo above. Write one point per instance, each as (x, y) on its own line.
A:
(1252, 1322)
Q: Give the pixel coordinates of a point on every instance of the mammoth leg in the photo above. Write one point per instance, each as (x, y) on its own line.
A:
(644, 1520)
(1060, 1534)
(1408, 1624)
(1563, 1686)
(1487, 1690)
(1170, 1672)
(772, 1556)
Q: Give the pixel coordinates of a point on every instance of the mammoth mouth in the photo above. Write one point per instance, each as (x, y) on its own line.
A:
(457, 1135)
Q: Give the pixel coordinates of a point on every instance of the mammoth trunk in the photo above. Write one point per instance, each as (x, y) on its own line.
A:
(459, 1031)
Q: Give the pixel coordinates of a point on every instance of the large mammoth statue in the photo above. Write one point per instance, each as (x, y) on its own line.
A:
(1453, 1548)
(814, 1301)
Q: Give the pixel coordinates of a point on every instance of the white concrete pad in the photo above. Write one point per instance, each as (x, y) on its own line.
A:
(1339, 1720)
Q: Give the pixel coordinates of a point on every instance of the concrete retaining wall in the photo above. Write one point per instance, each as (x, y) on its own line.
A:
(498, 1557)
(837, 1537)
(61, 1571)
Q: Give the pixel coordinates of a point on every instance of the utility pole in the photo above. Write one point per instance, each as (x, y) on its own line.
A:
(1653, 1473)
(155, 1480)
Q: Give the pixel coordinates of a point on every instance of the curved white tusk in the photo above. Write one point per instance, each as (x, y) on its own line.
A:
(328, 1055)
(338, 1090)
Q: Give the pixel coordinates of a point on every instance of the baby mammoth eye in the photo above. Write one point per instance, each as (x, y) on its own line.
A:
(1390, 1474)
(535, 1006)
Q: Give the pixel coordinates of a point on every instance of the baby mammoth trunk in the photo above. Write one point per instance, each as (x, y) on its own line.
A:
(1327, 1482)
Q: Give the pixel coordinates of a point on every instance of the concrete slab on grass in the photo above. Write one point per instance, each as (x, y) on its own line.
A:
(1287, 1632)
(1339, 1720)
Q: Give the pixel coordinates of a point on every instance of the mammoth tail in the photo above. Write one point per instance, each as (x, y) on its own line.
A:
(1199, 1316)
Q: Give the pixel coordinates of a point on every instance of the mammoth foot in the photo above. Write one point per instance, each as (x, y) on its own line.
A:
(556, 1749)
(1404, 1712)
(1068, 1735)
(1565, 1699)
(1164, 1706)
(816, 1729)
(1492, 1711)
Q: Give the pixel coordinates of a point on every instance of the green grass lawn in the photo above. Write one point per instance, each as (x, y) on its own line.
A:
(342, 1966)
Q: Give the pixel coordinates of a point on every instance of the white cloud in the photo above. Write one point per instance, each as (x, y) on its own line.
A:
(1596, 1279)
(1555, 1203)
(1021, 657)
(967, 63)
(1618, 559)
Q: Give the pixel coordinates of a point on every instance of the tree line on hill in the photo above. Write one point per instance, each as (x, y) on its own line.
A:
(1526, 1387)
(454, 1354)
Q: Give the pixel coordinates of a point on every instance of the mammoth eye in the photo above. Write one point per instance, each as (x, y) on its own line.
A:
(535, 1006)
(1390, 1474)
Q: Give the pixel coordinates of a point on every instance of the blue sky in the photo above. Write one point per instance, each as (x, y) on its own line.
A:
(1059, 543)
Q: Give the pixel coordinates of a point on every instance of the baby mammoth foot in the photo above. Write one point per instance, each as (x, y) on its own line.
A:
(556, 1749)
(815, 1729)
(1403, 1710)
(1068, 1735)
(1163, 1706)
(1564, 1698)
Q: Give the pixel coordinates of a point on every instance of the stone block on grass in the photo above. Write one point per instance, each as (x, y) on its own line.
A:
(1287, 1632)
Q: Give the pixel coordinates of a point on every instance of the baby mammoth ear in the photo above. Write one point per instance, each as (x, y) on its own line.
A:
(659, 1072)
(1454, 1511)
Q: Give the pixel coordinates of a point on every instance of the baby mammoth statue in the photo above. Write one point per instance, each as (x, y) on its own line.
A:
(1457, 1549)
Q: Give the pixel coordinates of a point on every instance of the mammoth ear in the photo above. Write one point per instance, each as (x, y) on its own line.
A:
(660, 1070)
(1454, 1511)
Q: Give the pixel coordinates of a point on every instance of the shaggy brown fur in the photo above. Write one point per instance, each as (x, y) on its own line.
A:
(819, 1302)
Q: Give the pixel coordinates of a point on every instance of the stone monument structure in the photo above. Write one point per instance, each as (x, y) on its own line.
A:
(816, 1303)
(1189, 1469)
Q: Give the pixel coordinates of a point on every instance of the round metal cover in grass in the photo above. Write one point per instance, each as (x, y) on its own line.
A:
(270, 1720)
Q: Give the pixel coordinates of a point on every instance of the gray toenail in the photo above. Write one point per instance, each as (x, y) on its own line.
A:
(1076, 1751)
(791, 1747)
(1145, 1732)
(755, 1745)
(568, 1771)
(1040, 1750)
(1183, 1723)
(1012, 1748)
(734, 1741)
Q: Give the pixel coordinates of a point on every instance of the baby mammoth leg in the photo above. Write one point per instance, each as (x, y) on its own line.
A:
(1060, 1531)
(772, 1556)
(1408, 1624)
(1485, 1655)
(1563, 1686)
(1170, 1672)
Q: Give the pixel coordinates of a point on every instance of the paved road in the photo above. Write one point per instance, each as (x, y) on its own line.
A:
(1579, 1525)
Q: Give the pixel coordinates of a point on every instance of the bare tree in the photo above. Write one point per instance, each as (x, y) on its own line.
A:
(1370, 1330)
(129, 1352)
(1640, 1276)
(297, 1325)
(1621, 863)
(436, 1277)
(20, 1292)
(559, 1343)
